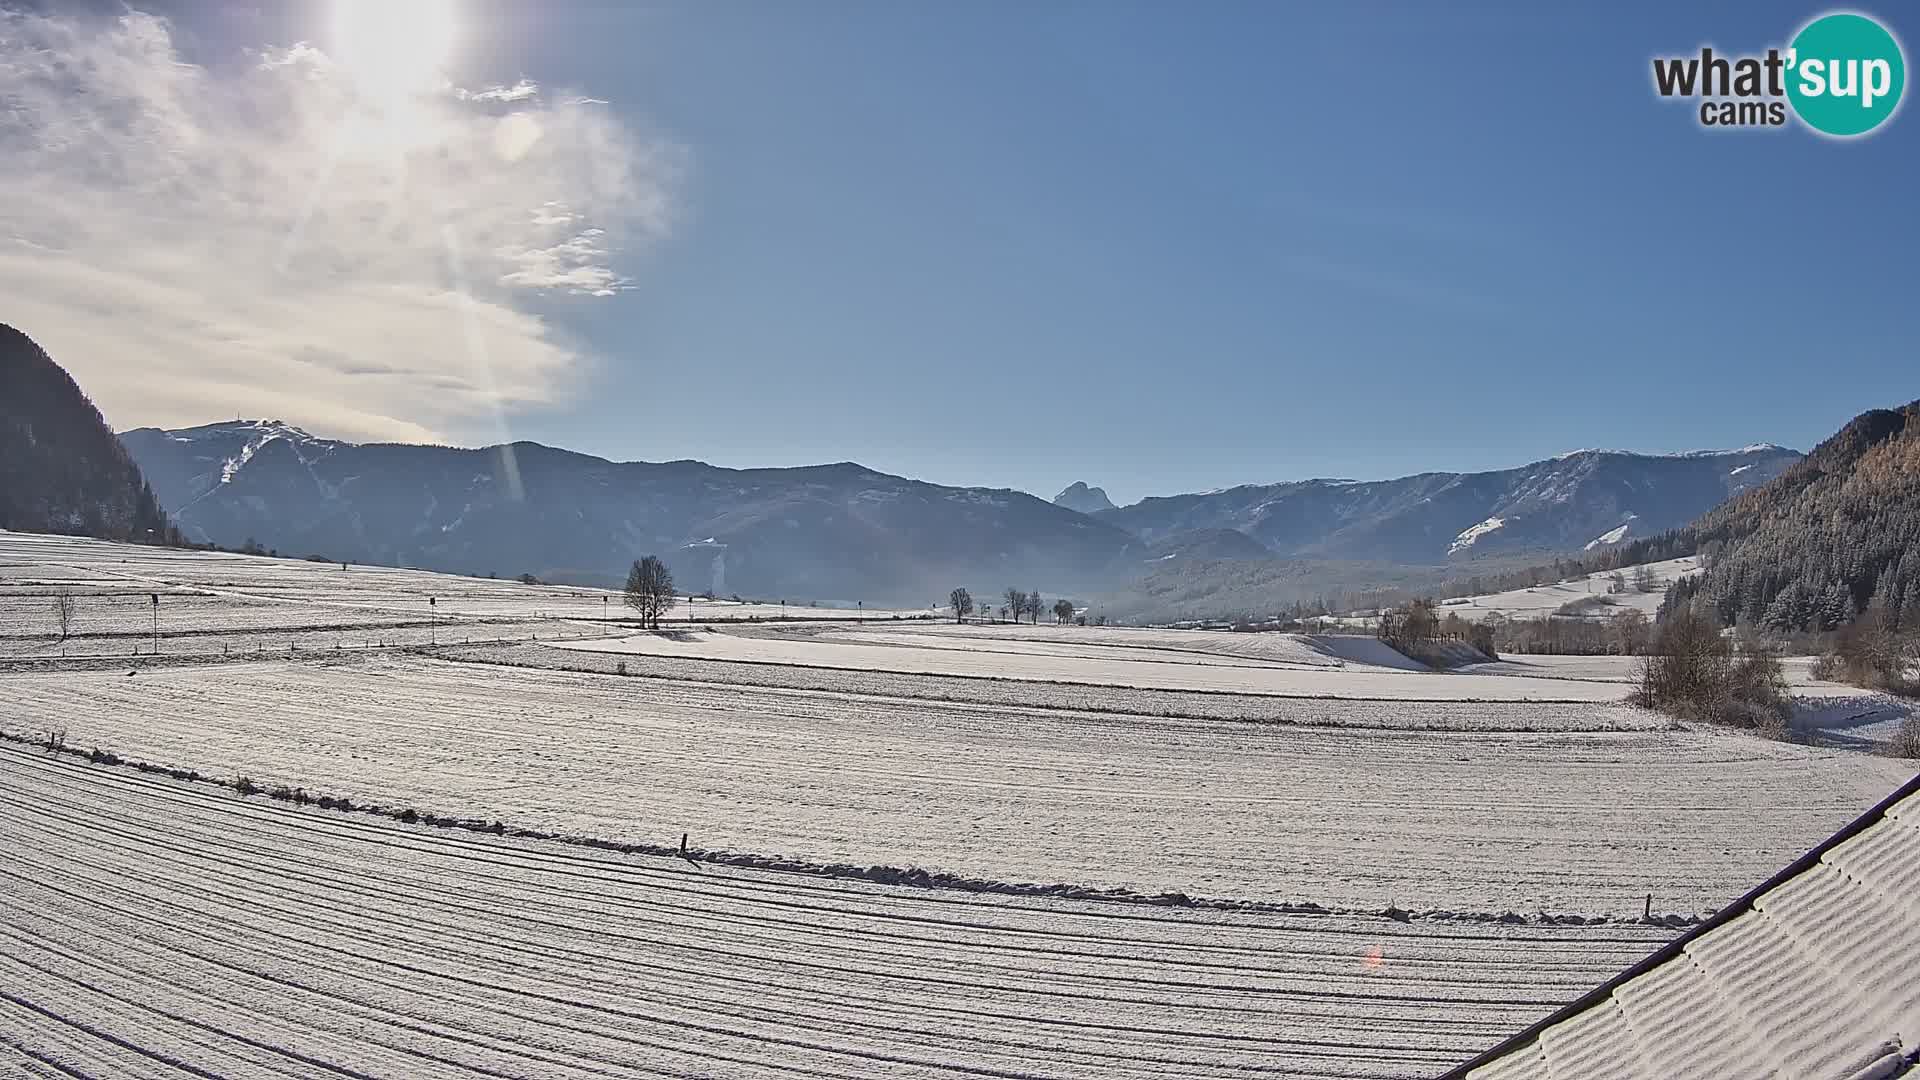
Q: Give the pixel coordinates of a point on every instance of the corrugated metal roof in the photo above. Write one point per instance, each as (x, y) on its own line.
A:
(1814, 975)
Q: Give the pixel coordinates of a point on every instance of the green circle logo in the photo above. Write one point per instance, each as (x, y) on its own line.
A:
(1845, 74)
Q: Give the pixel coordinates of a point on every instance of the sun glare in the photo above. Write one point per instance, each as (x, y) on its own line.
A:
(392, 48)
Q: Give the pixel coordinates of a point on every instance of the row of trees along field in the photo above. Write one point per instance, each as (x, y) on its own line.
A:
(1018, 603)
(1416, 626)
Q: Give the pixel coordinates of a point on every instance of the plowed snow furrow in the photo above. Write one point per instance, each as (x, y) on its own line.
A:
(1580, 821)
(1398, 952)
(967, 938)
(982, 913)
(150, 927)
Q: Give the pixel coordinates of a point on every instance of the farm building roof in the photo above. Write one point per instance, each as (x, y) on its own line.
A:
(1814, 975)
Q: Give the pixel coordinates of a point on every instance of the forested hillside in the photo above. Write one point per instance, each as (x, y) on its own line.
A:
(61, 468)
(1815, 547)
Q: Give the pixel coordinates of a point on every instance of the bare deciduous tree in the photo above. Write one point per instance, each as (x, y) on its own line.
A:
(1643, 580)
(63, 612)
(961, 603)
(1016, 603)
(1692, 672)
(1034, 604)
(1631, 632)
(1872, 651)
(650, 590)
(1410, 626)
(1063, 611)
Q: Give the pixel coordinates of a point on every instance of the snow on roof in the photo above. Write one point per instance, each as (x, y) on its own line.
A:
(1810, 975)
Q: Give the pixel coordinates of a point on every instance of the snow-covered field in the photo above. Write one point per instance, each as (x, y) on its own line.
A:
(1141, 643)
(1579, 821)
(1349, 713)
(148, 924)
(212, 602)
(1625, 670)
(1546, 599)
(1014, 658)
(151, 927)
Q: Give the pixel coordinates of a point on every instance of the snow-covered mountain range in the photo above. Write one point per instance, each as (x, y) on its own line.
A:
(846, 532)
(1582, 500)
(838, 532)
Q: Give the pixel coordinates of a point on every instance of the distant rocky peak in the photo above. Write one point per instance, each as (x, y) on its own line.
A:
(1083, 499)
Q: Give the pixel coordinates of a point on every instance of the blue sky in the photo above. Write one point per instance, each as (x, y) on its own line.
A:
(1166, 248)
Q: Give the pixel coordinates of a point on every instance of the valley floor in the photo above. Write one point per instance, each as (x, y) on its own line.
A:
(1171, 853)
(1577, 821)
(157, 928)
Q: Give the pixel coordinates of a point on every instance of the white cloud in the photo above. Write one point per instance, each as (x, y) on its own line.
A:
(249, 239)
(524, 90)
(577, 264)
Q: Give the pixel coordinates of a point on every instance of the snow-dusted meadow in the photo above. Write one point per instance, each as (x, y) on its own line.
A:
(1576, 821)
(150, 927)
(142, 916)
(1533, 603)
(213, 602)
(1313, 674)
(1166, 645)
